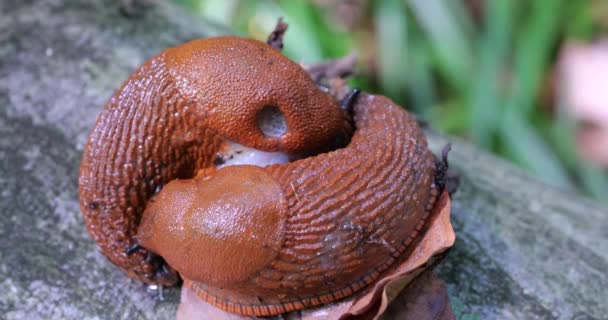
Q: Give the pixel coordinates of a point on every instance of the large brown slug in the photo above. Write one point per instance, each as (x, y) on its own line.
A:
(248, 239)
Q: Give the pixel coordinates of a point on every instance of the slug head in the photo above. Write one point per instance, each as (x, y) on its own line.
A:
(238, 83)
(219, 229)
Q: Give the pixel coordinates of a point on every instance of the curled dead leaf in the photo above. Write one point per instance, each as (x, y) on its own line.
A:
(424, 298)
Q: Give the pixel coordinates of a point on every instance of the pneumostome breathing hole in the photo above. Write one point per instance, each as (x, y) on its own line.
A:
(271, 121)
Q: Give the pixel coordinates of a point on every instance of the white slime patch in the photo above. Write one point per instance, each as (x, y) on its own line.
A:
(272, 123)
(240, 154)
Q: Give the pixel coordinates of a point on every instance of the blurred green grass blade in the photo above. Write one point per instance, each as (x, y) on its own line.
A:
(391, 43)
(363, 82)
(243, 15)
(450, 117)
(594, 181)
(419, 77)
(193, 5)
(495, 45)
(403, 59)
(309, 36)
(464, 19)
(532, 56)
(561, 132)
(580, 25)
(301, 41)
(524, 144)
(334, 43)
(219, 11)
(451, 47)
(522, 141)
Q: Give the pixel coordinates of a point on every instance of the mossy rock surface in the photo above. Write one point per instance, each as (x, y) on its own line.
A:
(524, 250)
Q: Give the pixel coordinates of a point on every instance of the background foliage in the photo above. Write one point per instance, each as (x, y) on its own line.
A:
(479, 69)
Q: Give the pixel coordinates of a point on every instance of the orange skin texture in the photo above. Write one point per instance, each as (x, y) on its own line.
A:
(251, 240)
(170, 119)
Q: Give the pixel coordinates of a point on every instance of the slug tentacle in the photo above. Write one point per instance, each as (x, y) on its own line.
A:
(132, 249)
(348, 103)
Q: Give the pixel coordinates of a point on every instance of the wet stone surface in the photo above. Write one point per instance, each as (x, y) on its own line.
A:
(523, 250)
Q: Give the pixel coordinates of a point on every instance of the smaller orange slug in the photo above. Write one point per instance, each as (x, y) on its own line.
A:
(221, 161)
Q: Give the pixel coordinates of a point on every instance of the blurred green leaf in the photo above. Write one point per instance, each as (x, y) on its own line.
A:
(523, 141)
(463, 17)
(535, 41)
(525, 145)
(447, 37)
(392, 50)
(450, 117)
(561, 133)
(220, 11)
(190, 4)
(302, 43)
(594, 181)
(495, 45)
(580, 25)
(403, 59)
(420, 84)
(362, 82)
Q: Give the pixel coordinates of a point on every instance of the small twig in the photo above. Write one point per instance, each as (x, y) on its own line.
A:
(337, 68)
(275, 39)
(294, 191)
